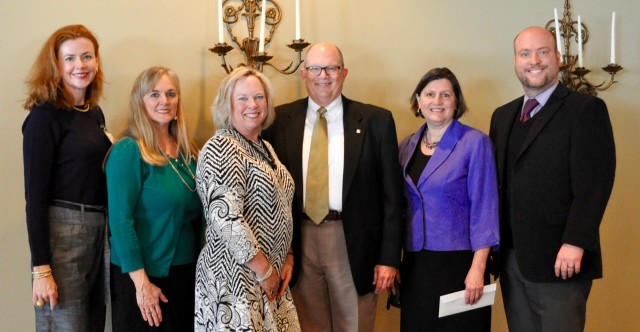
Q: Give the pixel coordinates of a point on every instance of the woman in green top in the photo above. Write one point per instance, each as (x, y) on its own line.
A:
(154, 211)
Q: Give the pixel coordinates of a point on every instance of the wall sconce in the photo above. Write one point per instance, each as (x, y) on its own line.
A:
(229, 14)
(573, 76)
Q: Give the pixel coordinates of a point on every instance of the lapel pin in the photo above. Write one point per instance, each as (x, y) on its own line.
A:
(358, 131)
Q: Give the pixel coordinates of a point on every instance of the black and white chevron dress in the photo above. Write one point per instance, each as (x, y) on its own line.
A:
(247, 204)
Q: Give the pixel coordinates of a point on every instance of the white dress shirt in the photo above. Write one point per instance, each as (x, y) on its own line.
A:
(335, 131)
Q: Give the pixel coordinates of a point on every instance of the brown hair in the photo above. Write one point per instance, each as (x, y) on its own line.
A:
(45, 82)
(437, 74)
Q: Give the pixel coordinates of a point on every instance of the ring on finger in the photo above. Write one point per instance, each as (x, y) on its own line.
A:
(40, 303)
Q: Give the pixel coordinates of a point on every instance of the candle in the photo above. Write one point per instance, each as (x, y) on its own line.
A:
(613, 38)
(298, 19)
(220, 32)
(262, 19)
(579, 42)
(558, 44)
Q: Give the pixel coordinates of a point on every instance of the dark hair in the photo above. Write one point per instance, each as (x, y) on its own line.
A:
(437, 74)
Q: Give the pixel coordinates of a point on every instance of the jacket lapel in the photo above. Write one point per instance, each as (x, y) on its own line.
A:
(354, 133)
(445, 147)
(408, 152)
(512, 110)
(294, 135)
(547, 112)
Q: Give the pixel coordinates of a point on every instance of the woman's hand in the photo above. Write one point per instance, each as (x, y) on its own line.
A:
(474, 282)
(45, 290)
(474, 285)
(271, 284)
(148, 297)
(285, 275)
(260, 265)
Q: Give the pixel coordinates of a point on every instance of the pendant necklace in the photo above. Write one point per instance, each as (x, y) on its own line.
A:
(177, 172)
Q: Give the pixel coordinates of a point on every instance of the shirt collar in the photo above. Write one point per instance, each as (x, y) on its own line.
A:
(543, 96)
(333, 108)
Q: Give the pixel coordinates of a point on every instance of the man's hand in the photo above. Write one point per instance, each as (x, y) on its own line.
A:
(383, 277)
(568, 261)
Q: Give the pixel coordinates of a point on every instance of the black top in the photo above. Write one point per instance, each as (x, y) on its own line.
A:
(417, 164)
(63, 152)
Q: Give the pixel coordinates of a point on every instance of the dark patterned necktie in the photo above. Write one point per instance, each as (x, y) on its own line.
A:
(528, 108)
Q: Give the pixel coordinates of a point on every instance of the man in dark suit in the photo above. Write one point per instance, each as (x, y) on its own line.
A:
(350, 252)
(556, 165)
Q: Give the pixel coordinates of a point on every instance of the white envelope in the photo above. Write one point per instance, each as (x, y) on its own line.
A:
(454, 303)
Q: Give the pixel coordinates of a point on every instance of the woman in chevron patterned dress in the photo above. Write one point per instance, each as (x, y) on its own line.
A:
(244, 269)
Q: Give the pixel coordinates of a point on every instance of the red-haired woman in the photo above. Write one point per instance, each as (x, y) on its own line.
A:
(64, 144)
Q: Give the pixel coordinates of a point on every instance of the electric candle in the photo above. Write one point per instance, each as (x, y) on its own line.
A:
(558, 44)
(613, 38)
(220, 32)
(298, 19)
(262, 22)
(579, 42)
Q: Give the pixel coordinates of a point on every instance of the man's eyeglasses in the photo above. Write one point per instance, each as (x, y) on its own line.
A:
(317, 70)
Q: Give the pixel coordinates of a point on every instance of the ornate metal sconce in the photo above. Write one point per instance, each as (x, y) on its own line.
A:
(573, 76)
(232, 11)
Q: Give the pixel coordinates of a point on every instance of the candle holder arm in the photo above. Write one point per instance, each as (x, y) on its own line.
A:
(297, 45)
(222, 49)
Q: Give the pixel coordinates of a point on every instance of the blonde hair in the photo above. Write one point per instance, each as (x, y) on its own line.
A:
(221, 107)
(44, 83)
(142, 129)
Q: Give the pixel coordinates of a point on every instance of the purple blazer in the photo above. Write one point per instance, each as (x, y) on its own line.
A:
(455, 204)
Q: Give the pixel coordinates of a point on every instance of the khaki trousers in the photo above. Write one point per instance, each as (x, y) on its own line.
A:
(325, 296)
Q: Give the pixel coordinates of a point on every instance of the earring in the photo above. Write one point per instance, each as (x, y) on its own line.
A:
(97, 68)
(418, 113)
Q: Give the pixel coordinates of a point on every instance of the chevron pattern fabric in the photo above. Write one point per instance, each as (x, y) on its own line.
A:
(247, 205)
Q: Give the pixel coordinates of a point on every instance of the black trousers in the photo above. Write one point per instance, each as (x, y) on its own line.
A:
(177, 314)
(426, 275)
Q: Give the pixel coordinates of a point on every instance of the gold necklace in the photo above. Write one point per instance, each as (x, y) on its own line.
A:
(86, 108)
(176, 170)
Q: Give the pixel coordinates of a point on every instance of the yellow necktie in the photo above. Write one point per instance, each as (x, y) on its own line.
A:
(317, 196)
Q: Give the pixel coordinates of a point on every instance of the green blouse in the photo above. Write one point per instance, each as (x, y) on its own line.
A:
(154, 216)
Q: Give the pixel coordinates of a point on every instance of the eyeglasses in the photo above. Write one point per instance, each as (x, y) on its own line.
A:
(317, 70)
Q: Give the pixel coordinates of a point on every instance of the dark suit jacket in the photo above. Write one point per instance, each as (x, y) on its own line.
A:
(560, 182)
(372, 188)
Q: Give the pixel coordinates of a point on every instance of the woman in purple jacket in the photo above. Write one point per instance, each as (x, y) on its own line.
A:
(452, 214)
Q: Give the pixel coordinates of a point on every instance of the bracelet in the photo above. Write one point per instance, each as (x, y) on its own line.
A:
(41, 274)
(266, 275)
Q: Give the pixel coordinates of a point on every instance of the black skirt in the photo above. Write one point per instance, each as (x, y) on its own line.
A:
(177, 314)
(426, 275)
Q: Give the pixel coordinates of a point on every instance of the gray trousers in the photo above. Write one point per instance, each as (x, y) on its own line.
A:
(77, 241)
(535, 306)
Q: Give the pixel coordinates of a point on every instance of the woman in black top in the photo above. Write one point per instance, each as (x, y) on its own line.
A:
(64, 144)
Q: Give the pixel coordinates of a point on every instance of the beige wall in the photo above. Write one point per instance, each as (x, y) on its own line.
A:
(387, 46)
